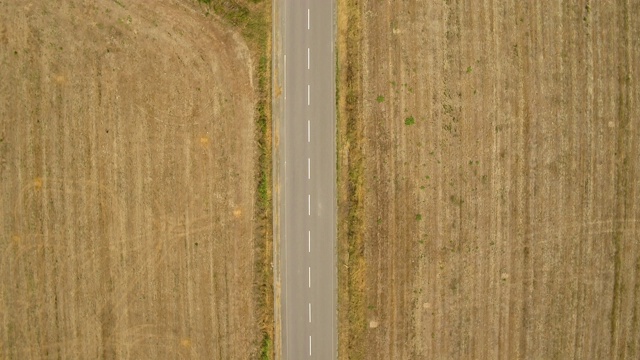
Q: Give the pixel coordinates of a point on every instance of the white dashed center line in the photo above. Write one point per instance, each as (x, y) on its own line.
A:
(308, 19)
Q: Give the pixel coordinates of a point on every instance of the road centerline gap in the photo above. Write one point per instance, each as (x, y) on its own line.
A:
(308, 95)
(308, 58)
(309, 168)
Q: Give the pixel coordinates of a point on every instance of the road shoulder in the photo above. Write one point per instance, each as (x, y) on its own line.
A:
(277, 107)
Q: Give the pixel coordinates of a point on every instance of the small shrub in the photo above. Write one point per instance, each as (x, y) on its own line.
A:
(380, 99)
(266, 348)
(409, 121)
(418, 217)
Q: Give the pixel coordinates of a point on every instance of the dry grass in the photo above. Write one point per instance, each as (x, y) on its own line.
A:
(351, 314)
(128, 177)
(503, 222)
(252, 18)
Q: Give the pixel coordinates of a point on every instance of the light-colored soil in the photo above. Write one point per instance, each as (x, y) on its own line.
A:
(504, 222)
(127, 183)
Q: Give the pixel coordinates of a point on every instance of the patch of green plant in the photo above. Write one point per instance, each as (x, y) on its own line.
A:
(263, 192)
(266, 348)
(409, 121)
(418, 217)
(380, 99)
(469, 70)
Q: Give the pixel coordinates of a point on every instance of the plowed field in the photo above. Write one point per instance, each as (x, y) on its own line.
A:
(127, 183)
(490, 179)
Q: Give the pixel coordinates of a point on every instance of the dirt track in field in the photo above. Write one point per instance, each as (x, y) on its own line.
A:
(127, 183)
(500, 165)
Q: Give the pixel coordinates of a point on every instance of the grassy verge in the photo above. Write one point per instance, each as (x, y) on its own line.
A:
(252, 18)
(352, 268)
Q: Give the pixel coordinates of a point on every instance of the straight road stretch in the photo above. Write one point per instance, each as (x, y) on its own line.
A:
(307, 180)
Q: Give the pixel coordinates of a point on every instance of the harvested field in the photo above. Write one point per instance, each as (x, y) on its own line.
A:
(127, 183)
(489, 179)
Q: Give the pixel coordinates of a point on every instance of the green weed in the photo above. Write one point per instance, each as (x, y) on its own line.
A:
(409, 121)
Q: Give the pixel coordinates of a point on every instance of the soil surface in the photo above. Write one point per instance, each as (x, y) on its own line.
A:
(127, 182)
(500, 184)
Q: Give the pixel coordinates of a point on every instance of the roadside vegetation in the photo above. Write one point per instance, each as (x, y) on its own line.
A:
(252, 18)
(351, 262)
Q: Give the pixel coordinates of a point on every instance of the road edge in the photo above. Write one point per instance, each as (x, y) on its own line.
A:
(277, 112)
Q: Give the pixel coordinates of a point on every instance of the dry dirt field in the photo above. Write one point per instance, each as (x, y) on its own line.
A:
(490, 179)
(127, 183)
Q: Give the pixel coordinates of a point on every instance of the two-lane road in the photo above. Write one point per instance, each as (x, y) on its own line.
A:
(307, 180)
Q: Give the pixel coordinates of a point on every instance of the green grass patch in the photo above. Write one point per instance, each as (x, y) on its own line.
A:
(409, 121)
(266, 348)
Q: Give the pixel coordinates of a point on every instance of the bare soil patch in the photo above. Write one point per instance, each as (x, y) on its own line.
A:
(491, 182)
(128, 182)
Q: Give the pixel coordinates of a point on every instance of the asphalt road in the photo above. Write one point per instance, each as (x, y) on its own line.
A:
(307, 179)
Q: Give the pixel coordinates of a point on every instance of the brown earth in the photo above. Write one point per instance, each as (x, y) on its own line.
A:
(127, 177)
(503, 223)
